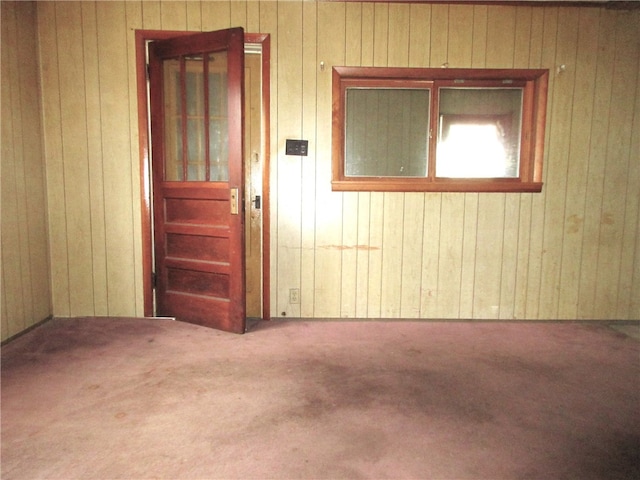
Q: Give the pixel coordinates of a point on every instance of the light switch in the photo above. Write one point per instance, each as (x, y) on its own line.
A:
(297, 147)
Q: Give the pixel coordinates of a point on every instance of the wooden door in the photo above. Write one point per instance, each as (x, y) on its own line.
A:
(196, 102)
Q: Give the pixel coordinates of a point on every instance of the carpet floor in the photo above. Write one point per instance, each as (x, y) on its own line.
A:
(106, 398)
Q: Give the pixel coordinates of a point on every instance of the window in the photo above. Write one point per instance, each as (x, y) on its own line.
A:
(446, 130)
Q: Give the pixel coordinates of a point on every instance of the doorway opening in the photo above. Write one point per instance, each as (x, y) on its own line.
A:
(255, 187)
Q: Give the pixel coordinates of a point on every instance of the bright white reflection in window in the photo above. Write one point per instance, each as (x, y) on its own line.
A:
(472, 151)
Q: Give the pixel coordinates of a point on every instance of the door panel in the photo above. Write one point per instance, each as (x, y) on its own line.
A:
(197, 131)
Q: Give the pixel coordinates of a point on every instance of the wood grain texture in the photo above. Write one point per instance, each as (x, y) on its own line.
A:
(25, 284)
(569, 251)
(49, 68)
(116, 150)
(290, 167)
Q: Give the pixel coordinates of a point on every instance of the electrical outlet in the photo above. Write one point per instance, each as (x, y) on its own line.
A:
(294, 296)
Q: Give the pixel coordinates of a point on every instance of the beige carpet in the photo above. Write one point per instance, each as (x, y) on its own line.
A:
(143, 398)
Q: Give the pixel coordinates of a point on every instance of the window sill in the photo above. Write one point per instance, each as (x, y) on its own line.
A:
(481, 185)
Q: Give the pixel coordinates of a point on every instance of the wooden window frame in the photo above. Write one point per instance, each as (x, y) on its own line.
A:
(534, 83)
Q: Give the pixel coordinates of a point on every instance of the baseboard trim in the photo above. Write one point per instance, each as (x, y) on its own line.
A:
(26, 330)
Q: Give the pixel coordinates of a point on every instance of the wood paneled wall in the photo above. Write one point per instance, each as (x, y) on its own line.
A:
(572, 251)
(26, 295)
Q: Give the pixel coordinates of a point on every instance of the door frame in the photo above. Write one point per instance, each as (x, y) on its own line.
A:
(141, 39)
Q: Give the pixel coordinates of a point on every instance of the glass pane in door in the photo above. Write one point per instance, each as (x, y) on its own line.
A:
(196, 118)
(218, 118)
(172, 121)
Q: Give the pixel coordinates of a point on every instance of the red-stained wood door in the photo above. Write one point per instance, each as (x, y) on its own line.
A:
(196, 103)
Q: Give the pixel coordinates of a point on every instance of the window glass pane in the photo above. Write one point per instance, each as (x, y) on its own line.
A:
(218, 118)
(479, 133)
(173, 122)
(218, 137)
(195, 149)
(386, 132)
(194, 92)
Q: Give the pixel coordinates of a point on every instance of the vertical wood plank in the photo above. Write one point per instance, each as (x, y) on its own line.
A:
(375, 243)
(94, 158)
(310, 72)
(412, 228)
(350, 251)
(471, 200)
(350, 247)
(193, 16)
(509, 264)
(353, 34)
(239, 14)
(433, 201)
(598, 134)
(577, 169)
(522, 40)
(73, 124)
(392, 241)
(350, 216)
(394, 202)
(116, 150)
(368, 27)
(537, 38)
(536, 247)
(518, 289)
(491, 207)
(173, 15)
(560, 130)
(133, 14)
(54, 159)
(511, 233)
(217, 16)
(469, 241)
(289, 167)
(362, 256)
(628, 304)
(331, 28)
(452, 205)
(630, 246)
(253, 16)
(414, 203)
(151, 17)
(351, 219)
(34, 169)
(364, 253)
(381, 35)
(479, 47)
(439, 40)
(450, 257)
(398, 43)
(419, 35)
(617, 198)
(13, 294)
(430, 255)
(460, 36)
(486, 293)
(379, 56)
